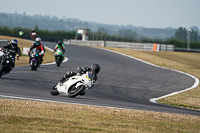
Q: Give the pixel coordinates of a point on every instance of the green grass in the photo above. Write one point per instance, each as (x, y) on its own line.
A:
(31, 116)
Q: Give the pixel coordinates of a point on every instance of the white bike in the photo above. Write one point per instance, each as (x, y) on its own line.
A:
(75, 85)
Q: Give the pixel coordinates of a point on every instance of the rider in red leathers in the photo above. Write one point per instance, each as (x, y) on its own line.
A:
(39, 46)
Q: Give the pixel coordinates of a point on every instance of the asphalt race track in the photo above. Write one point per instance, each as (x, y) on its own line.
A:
(123, 82)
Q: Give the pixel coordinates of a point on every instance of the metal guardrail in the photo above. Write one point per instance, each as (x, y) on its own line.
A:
(164, 47)
(92, 43)
(135, 46)
(3, 42)
(187, 50)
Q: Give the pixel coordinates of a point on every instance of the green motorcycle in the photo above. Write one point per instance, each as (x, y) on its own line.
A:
(59, 56)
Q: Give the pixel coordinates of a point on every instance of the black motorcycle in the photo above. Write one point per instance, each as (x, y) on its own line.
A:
(6, 62)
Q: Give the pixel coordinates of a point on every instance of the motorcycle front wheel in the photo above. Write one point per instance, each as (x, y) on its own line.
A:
(54, 91)
(58, 62)
(33, 67)
(73, 91)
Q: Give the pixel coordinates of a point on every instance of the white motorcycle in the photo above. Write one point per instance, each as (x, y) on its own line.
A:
(75, 85)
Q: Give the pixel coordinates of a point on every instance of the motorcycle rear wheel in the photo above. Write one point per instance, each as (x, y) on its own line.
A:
(73, 91)
(1, 70)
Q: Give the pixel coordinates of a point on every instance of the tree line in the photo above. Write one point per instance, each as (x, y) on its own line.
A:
(182, 34)
(179, 39)
(46, 35)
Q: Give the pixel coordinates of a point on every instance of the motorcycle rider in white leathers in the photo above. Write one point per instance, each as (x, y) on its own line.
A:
(95, 68)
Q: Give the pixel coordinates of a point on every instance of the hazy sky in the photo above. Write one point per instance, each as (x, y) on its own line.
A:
(146, 13)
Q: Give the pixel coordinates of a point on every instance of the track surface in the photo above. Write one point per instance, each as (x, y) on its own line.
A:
(123, 82)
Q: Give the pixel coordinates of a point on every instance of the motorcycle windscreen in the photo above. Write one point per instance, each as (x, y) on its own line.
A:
(35, 51)
(91, 75)
(59, 51)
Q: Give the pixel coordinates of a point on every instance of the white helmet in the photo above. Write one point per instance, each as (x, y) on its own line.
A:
(38, 40)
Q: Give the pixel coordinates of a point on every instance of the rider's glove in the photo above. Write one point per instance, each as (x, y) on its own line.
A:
(42, 52)
(17, 57)
(80, 70)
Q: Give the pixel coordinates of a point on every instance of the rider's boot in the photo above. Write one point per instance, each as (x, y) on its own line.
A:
(41, 60)
(29, 61)
(67, 75)
(64, 77)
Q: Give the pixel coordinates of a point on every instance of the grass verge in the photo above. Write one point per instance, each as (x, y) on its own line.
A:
(24, 59)
(31, 116)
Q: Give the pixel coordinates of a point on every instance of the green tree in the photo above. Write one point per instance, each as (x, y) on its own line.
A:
(36, 28)
(181, 34)
(102, 31)
(127, 33)
(194, 36)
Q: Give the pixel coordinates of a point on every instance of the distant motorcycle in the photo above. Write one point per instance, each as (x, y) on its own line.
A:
(6, 62)
(33, 36)
(35, 59)
(75, 85)
(59, 56)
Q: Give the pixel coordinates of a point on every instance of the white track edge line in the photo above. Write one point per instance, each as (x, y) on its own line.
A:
(43, 100)
(66, 59)
(154, 100)
(52, 63)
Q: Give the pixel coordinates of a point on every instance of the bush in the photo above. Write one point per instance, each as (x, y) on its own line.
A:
(183, 44)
